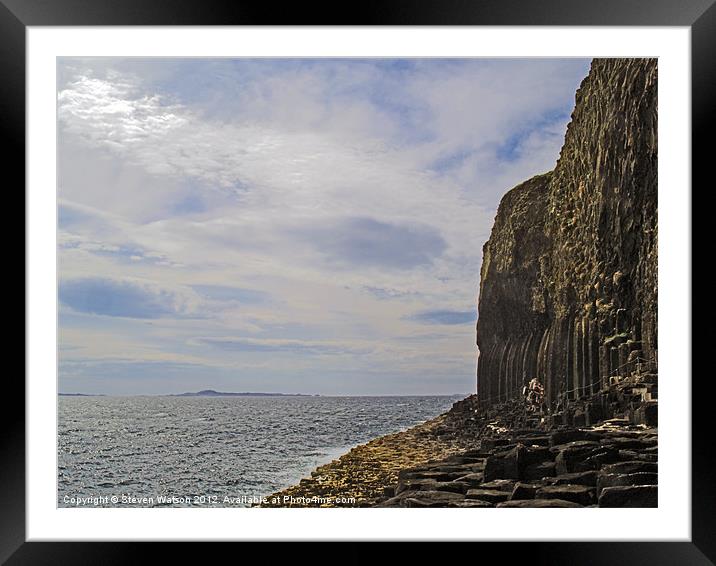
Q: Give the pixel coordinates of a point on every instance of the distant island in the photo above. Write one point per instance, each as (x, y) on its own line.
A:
(212, 393)
(80, 395)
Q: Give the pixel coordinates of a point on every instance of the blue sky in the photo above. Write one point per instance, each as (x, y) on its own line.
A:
(288, 225)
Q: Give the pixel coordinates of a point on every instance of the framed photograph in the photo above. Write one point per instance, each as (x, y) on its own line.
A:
(405, 277)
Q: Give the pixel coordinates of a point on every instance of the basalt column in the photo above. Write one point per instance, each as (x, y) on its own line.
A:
(568, 286)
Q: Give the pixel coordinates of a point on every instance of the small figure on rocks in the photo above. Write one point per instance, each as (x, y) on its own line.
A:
(535, 395)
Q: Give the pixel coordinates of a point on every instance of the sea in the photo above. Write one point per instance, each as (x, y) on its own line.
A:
(154, 451)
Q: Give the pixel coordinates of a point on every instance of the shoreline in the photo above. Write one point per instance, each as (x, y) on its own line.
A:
(366, 471)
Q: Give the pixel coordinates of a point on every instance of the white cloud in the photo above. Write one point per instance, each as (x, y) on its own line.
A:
(309, 183)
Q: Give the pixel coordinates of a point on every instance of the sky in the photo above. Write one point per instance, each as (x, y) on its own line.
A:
(288, 225)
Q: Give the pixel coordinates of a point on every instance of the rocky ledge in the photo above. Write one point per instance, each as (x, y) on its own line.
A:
(611, 464)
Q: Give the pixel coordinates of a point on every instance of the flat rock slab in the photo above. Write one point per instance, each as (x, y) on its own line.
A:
(474, 479)
(562, 437)
(423, 499)
(576, 478)
(641, 456)
(580, 494)
(630, 443)
(436, 475)
(576, 445)
(415, 485)
(491, 495)
(471, 503)
(584, 458)
(499, 485)
(638, 478)
(539, 503)
(630, 467)
(631, 496)
(454, 486)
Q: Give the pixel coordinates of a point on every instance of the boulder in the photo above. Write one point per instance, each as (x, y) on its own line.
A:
(437, 475)
(531, 441)
(622, 443)
(471, 503)
(643, 456)
(581, 494)
(576, 445)
(473, 479)
(537, 455)
(454, 486)
(524, 491)
(584, 458)
(629, 467)
(564, 436)
(415, 485)
(494, 468)
(647, 414)
(629, 496)
(639, 478)
(499, 485)
(597, 459)
(576, 478)
(538, 471)
(487, 444)
(431, 499)
(539, 503)
(491, 495)
(514, 462)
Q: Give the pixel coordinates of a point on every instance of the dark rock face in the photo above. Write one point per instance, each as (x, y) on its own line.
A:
(629, 496)
(568, 288)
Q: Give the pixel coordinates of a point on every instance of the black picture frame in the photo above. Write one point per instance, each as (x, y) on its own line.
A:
(17, 15)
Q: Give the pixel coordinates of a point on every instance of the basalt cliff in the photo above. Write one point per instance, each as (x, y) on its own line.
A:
(568, 294)
(568, 287)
